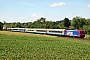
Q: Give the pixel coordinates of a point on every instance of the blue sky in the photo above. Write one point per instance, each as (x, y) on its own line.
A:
(53, 10)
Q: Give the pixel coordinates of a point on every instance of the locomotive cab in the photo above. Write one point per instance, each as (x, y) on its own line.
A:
(81, 33)
(75, 33)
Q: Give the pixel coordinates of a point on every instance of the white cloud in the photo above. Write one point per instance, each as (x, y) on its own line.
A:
(58, 4)
(88, 6)
(36, 16)
(69, 2)
(88, 11)
(22, 18)
(70, 14)
(30, 4)
(11, 18)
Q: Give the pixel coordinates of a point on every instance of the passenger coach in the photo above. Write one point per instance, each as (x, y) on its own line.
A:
(16, 29)
(59, 32)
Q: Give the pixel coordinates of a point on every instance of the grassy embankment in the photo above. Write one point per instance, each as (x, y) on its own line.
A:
(87, 36)
(25, 46)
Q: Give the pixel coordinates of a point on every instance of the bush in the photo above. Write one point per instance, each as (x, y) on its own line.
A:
(87, 29)
(1, 25)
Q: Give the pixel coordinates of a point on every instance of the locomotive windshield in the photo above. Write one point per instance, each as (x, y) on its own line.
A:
(82, 32)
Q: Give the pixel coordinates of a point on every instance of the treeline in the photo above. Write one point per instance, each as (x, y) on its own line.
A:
(76, 23)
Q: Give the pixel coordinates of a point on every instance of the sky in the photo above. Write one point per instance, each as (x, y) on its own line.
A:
(52, 10)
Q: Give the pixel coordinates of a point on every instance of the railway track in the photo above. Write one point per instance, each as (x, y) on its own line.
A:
(75, 38)
(88, 39)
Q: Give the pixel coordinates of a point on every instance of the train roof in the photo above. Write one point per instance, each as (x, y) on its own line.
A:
(49, 29)
(74, 30)
(38, 29)
(56, 29)
(15, 28)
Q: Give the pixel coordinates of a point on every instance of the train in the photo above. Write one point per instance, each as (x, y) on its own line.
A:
(57, 32)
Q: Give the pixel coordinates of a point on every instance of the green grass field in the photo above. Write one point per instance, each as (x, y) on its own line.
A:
(25, 46)
(87, 36)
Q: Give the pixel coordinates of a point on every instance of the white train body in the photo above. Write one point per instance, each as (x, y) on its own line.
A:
(16, 29)
(38, 31)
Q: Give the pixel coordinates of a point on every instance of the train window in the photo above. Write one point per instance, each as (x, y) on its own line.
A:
(21, 29)
(9, 29)
(30, 30)
(15, 29)
(82, 32)
(41, 30)
(56, 31)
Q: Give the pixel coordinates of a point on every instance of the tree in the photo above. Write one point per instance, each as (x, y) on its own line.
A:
(18, 25)
(61, 25)
(40, 23)
(11, 25)
(88, 21)
(24, 25)
(42, 19)
(50, 24)
(1, 25)
(66, 22)
(87, 28)
(29, 25)
(78, 22)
